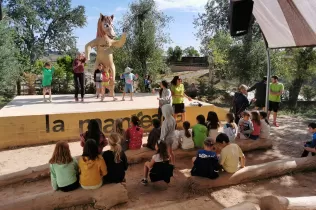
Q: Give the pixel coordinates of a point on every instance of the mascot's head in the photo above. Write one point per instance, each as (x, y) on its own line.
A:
(105, 26)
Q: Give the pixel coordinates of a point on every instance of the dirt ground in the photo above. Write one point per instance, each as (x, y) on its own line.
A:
(288, 140)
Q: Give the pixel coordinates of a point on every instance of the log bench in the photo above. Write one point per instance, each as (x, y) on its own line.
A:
(133, 157)
(284, 203)
(103, 198)
(251, 173)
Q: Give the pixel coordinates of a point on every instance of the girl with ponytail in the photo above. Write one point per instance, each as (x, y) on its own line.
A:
(115, 160)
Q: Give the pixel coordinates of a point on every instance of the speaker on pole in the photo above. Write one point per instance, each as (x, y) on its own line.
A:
(240, 14)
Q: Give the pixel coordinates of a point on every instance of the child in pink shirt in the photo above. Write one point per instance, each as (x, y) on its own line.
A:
(255, 118)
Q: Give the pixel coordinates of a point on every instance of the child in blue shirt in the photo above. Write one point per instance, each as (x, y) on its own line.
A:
(205, 164)
(310, 146)
(129, 81)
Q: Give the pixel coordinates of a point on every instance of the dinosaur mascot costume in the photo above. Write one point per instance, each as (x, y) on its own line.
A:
(103, 44)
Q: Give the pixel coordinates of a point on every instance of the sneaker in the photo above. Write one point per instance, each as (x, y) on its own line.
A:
(132, 99)
(144, 181)
(97, 96)
(123, 99)
(114, 99)
(45, 100)
(82, 100)
(102, 98)
(76, 99)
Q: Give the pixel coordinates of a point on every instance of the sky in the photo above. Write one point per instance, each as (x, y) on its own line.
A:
(181, 28)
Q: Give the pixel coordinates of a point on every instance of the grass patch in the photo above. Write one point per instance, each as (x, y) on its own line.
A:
(300, 112)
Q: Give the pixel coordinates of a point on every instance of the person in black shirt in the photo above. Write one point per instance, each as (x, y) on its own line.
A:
(98, 79)
(154, 135)
(260, 94)
(115, 160)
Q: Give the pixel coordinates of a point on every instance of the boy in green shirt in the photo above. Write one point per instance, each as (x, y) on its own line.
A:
(276, 90)
(48, 72)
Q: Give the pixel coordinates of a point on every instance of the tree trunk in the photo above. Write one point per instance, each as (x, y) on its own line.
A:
(294, 92)
(18, 87)
(1, 13)
(276, 203)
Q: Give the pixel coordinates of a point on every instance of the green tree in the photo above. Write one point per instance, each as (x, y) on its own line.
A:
(146, 37)
(170, 54)
(9, 65)
(44, 26)
(177, 53)
(191, 52)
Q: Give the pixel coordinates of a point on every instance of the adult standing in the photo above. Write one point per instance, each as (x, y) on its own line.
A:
(241, 102)
(78, 69)
(276, 90)
(164, 96)
(260, 94)
(178, 95)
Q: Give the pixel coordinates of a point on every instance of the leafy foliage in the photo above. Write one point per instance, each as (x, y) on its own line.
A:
(175, 54)
(191, 52)
(9, 65)
(44, 25)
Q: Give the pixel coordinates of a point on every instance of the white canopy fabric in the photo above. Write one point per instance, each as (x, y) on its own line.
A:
(287, 23)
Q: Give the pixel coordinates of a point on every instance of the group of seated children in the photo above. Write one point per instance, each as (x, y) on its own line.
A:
(93, 168)
(253, 125)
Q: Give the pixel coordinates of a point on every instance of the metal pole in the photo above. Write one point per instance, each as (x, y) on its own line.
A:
(268, 78)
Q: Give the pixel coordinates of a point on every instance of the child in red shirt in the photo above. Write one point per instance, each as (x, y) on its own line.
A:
(134, 134)
(255, 118)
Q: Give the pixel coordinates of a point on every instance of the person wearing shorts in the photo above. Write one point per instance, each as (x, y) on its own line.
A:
(98, 79)
(178, 95)
(129, 78)
(276, 90)
(106, 78)
(48, 72)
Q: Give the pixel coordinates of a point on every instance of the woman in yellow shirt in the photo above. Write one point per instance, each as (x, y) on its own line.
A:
(178, 95)
(92, 167)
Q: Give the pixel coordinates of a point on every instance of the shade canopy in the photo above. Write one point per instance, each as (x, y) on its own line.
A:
(287, 23)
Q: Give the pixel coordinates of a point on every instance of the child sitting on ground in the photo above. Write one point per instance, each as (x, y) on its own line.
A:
(265, 125)
(94, 133)
(92, 167)
(97, 76)
(63, 169)
(199, 131)
(115, 161)
(230, 128)
(185, 137)
(134, 134)
(212, 124)
(205, 164)
(310, 146)
(118, 128)
(158, 168)
(255, 119)
(245, 126)
(48, 72)
(154, 135)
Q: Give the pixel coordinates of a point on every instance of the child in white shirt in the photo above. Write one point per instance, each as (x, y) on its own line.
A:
(230, 128)
(265, 126)
(185, 137)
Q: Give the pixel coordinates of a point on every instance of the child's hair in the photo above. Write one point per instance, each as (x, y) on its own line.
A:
(90, 149)
(118, 127)
(213, 121)
(114, 142)
(156, 123)
(61, 154)
(312, 125)
(264, 116)
(47, 64)
(186, 127)
(242, 87)
(162, 150)
(221, 138)
(201, 119)
(165, 84)
(255, 117)
(135, 120)
(231, 119)
(245, 113)
(209, 142)
(93, 131)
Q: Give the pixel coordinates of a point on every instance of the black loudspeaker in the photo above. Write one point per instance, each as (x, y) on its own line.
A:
(240, 14)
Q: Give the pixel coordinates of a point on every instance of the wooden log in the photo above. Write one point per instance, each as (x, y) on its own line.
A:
(252, 173)
(285, 203)
(104, 198)
(244, 206)
(249, 145)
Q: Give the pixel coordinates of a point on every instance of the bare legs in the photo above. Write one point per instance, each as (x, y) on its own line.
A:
(172, 157)
(146, 169)
(49, 91)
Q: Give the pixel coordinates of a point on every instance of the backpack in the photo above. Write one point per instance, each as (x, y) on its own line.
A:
(206, 167)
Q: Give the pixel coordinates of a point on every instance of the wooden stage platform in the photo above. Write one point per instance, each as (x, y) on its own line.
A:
(27, 120)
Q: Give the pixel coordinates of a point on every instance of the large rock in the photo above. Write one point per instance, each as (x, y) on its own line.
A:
(252, 173)
(283, 203)
(103, 198)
